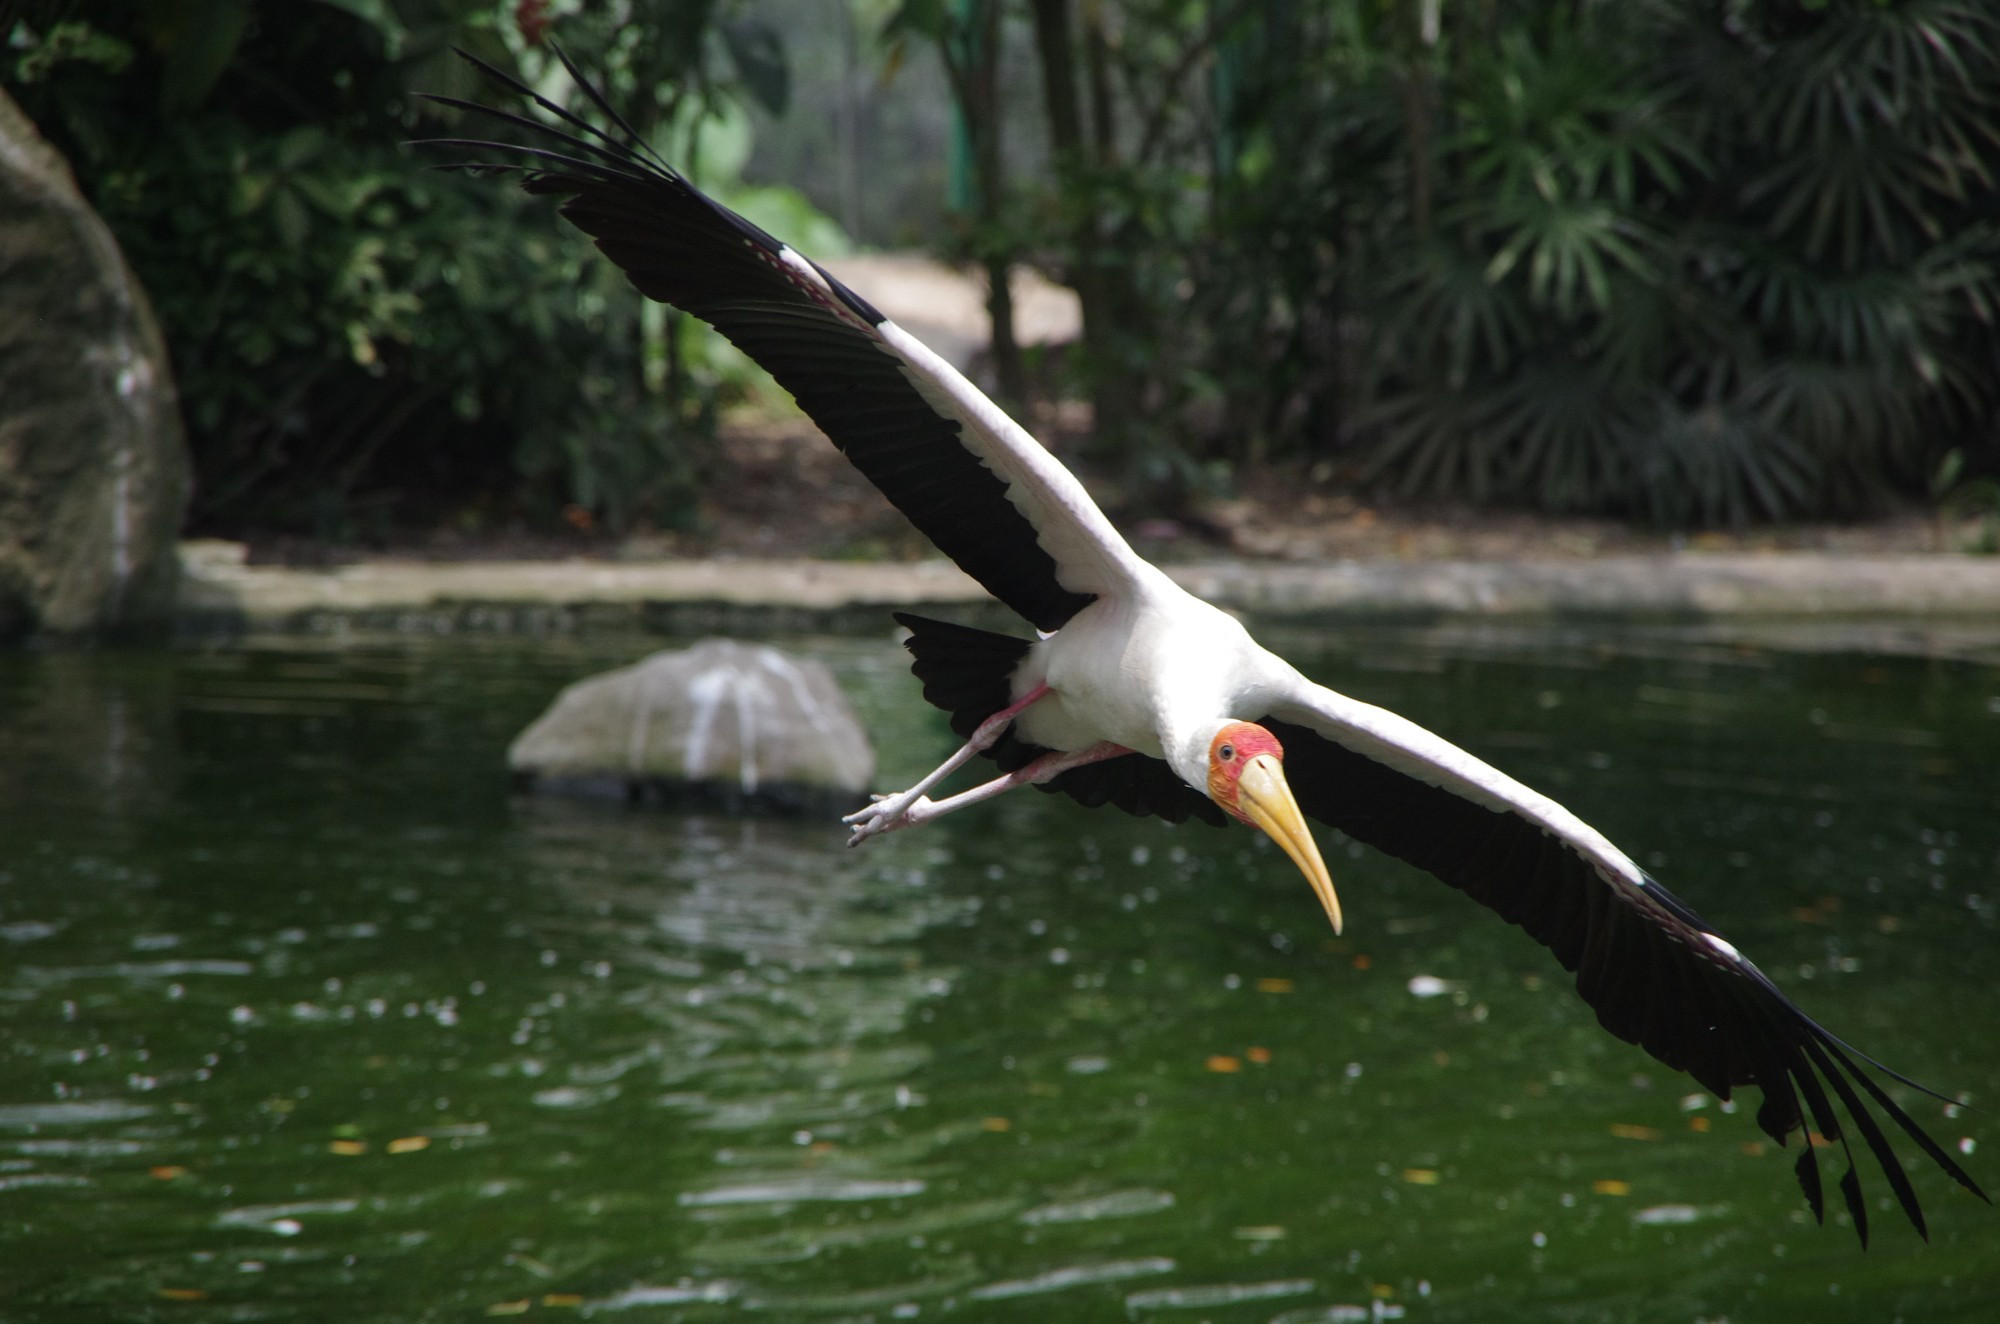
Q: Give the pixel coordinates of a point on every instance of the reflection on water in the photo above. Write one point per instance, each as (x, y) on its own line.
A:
(306, 1017)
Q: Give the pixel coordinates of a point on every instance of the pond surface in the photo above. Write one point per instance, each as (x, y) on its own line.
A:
(307, 1017)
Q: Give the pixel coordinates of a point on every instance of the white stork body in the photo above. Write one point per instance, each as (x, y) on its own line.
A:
(1147, 665)
(1155, 669)
(1137, 694)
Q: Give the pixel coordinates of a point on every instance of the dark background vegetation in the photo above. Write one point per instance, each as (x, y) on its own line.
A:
(1687, 261)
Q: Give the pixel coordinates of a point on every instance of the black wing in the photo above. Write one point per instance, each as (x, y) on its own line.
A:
(1656, 973)
(1651, 967)
(972, 482)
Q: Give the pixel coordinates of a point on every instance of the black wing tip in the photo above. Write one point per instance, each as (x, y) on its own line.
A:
(1817, 1049)
(632, 151)
(1850, 1190)
(1806, 1169)
(1657, 974)
(1804, 1053)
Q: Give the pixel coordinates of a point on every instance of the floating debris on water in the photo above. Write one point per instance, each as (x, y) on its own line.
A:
(1666, 1215)
(1262, 1232)
(282, 1218)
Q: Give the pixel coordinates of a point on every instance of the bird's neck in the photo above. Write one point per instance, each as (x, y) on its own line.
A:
(1187, 742)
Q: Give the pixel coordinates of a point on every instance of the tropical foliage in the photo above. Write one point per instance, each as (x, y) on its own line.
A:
(1693, 260)
(361, 342)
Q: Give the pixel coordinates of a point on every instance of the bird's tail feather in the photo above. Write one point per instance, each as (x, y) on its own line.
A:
(965, 671)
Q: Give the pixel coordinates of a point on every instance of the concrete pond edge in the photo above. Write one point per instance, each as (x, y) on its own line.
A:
(221, 592)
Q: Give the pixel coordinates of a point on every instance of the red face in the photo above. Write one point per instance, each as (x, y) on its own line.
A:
(1231, 750)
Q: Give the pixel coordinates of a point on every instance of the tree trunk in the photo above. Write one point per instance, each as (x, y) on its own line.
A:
(976, 78)
(1113, 386)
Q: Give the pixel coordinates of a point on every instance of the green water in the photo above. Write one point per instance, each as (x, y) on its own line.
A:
(307, 1018)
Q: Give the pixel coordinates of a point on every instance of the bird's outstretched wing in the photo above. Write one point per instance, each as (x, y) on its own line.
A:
(971, 479)
(1658, 975)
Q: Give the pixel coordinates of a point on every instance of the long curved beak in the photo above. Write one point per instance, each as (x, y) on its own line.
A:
(1267, 801)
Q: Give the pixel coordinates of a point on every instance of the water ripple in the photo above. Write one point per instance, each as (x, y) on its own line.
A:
(134, 970)
(801, 1189)
(792, 1244)
(281, 1217)
(1218, 1294)
(1113, 1204)
(1074, 1275)
(575, 1096)
(641, 1295)
(41, 1179)
(898, 1298)
(80, 1112)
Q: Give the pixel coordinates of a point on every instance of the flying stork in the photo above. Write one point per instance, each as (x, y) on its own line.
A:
(1135, 693)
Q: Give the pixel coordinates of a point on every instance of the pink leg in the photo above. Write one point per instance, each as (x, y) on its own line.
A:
(923, 810)
(887, 807)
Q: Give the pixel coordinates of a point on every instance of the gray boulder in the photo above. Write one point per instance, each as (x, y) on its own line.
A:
(742, 725)
(93, 467)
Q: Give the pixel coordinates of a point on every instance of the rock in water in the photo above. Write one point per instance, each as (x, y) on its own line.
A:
(93, 468)
(742, 725)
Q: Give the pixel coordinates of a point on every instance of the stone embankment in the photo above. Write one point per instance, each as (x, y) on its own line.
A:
(221, 591)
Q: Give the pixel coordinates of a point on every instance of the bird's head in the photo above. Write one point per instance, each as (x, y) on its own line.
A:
(1246, 776)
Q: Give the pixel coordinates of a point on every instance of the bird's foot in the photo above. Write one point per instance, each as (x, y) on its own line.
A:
(889, 813)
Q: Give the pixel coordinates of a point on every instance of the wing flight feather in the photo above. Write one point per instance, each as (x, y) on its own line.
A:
(969, 477)
(1656, 973)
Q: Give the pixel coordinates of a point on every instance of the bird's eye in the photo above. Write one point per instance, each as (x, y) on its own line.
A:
(1227, 752)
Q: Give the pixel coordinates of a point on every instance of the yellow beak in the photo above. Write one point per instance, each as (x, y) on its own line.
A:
(1267, 801)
